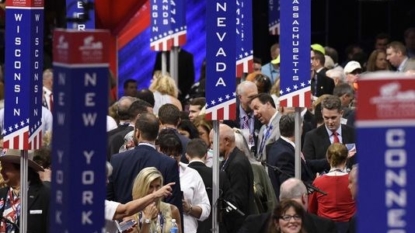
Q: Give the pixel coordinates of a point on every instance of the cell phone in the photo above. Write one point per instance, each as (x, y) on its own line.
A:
(350, 146)
(123, 226)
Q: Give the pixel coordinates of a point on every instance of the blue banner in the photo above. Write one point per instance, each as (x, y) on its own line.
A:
(81, 14)
(168, 24)
(295, 53)
(274, 17)
(386, 132)
(81, 88)
(23, 74)
(244, 34)
(220, 59)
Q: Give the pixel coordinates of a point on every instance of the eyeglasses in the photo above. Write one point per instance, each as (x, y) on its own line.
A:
(289, 217)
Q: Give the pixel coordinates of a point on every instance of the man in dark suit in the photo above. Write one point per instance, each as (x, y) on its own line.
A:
(196, 154)
(123, 104)
(318, 140)
(127, 165)
(117, 139)
(239, 172)
(293, 189)
(186, 70)
(169, 116)
(245, 119)
(281, 154)
(320, 83)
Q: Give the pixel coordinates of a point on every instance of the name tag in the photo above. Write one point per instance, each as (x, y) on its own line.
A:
(35, 212)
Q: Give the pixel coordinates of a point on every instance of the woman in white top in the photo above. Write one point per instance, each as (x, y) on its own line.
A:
(165, 91)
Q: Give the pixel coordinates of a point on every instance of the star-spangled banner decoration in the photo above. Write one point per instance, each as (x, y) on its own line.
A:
(220, 55)
(24, 67)
(274, 17)
(295, 54)
(168, 24)
(244, 43)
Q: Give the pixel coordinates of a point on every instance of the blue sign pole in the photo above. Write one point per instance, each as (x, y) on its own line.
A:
(81, 87)
(80, 14)
(295, 53)
(274, 17)
(244, 34)
(385, 133)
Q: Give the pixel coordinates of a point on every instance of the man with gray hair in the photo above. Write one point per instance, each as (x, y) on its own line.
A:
(294, 189)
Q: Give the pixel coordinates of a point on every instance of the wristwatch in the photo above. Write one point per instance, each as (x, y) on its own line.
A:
(147, 221)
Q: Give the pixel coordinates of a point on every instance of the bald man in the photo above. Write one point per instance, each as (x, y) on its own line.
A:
(245, 119)
(295, 190)
(239, 172)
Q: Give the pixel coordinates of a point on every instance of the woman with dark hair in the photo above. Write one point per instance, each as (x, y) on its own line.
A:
(188, 129)
(263, 83)
(338, 205)
(196, 205)
(377, 61)
(288, 217)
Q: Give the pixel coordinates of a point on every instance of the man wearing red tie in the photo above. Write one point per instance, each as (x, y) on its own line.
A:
(47, 89)
(318, 140)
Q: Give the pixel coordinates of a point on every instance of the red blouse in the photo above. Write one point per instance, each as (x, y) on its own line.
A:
(338, 204)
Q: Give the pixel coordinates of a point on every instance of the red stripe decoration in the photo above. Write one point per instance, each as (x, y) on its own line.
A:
(226, 110)
(165, 43)
(244, 66)
(301, 97)
(18, 140)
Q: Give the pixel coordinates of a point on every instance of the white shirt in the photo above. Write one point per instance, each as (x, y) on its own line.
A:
(194, 192)
(111, 123)
(400, 68)
(110, 208)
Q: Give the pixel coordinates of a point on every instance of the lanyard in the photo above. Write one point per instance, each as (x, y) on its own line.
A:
(267, 134)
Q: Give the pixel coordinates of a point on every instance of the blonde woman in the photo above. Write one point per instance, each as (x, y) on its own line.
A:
(165, 92)
(156, 217)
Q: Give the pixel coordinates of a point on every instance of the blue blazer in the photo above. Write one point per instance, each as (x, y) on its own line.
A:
(127, 165)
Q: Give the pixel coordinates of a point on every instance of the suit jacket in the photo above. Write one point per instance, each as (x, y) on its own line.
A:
(116, 130)
(318, 140)
(128, 164)
(281, 154)
(186, 70)
(275, 134)
(117, 140)
(409, 65)
(224, 186)
(38, 203)
(325, 85)
(257, 127)
(312, 224)
(239, 172)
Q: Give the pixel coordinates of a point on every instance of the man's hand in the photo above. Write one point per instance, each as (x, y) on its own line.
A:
(165, 191)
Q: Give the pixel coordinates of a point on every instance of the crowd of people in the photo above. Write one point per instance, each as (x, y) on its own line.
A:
(160, 157)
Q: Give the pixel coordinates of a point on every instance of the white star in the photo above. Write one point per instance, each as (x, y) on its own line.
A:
(39, 123)
(227, 97)
(165, 34)
(252, 51)
(16, 126)
(281, 92)
(207, 105)
(295, 87)
(160, 36)
(170, 32)
(4, 131)
(22, 123)
(181, 28)
(220, 99)
(155, 38)
(213, 102)
(287, 89)
(246, 54)
(309, 81)
(27, 121)
(234, 94)
(303, 84)
(10, 129)
(176, 29)
(240, 55)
